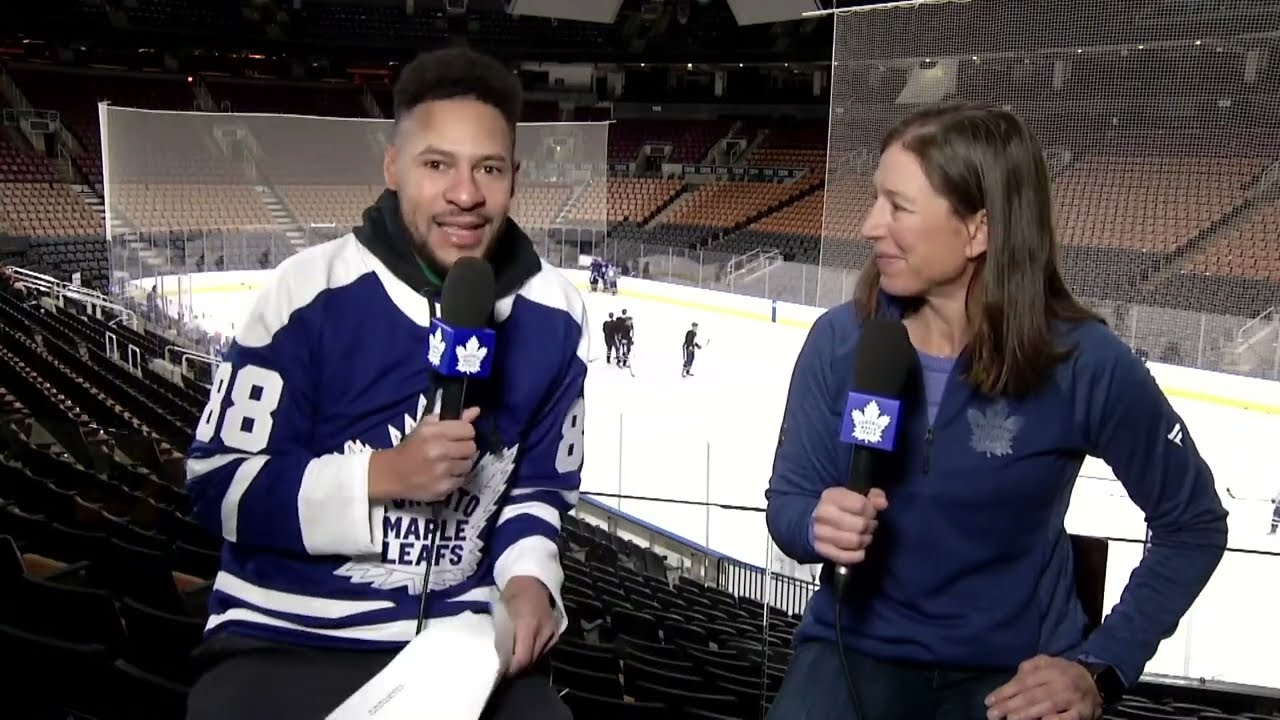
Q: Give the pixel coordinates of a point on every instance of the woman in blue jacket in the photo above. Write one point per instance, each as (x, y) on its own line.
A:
(962, 603)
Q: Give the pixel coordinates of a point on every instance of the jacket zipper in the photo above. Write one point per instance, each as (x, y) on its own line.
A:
(928, 448)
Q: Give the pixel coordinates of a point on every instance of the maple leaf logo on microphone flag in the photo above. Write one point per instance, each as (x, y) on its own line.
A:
(870, 421)
(471, 356)
(435, 348)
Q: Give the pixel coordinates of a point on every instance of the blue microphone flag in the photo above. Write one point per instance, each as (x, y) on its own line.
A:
(870, 421)
(460, 352)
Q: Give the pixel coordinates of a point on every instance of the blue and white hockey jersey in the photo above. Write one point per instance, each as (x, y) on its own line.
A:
(330, 366)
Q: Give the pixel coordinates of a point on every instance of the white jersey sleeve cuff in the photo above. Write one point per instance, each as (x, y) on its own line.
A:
(537, 557)
(333, 506)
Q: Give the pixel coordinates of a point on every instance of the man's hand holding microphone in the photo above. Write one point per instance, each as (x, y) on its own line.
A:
(431, 462)
(844, 523)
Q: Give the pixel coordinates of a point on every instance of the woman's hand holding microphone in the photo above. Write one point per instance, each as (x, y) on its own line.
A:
(844, 522)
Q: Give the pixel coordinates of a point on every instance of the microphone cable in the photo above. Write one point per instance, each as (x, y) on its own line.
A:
(437, 398)
(426, 573)
(854, 699)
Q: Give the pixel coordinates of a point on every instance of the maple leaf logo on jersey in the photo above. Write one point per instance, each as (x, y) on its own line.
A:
(395, 434)
(435, 348)
(470, 356)
(869, 423)
(460, 521)
(992, 431)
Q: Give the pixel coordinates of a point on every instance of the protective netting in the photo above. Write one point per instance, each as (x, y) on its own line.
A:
(1160, 129)
(190, 192)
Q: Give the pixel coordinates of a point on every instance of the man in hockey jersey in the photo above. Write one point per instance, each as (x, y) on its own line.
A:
(624, 332)
(611, 278)
(690, 345)
(321, 461)
(610, 338)
(596, 272)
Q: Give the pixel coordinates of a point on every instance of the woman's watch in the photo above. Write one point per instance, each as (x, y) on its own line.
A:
(1110, 686)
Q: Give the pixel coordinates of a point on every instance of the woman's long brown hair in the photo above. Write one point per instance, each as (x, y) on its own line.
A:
(980, 157)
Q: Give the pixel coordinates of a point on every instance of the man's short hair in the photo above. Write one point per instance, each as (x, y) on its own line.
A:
(458, 72)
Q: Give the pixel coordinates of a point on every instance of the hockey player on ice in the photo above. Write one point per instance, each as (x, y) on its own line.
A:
(625, 333)
(611, 278)
(596, 272)
(1275, 514)
(690, 345)
(610, 338)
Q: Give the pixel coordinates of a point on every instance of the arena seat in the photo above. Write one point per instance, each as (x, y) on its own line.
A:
(626, 199)
(191, 206)
(803, 217)
(690, 140)
(1250, 249)
(725, 204)
(25, 167)
(792, 144)
(321, 204)
(46, 209)
(1140, 203)
(540, 205)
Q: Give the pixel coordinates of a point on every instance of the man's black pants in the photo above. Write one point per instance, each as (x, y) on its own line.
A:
(275, 682)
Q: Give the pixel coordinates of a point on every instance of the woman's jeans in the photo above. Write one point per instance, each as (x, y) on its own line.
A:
(815, 689)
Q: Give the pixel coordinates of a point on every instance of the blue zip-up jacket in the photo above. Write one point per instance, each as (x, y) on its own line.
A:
(971, 565)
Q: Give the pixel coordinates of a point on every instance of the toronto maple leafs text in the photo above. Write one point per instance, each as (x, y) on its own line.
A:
(406, 536)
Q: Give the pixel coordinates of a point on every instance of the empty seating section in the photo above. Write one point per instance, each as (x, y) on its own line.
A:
(791, 231)
(1249, 249)
(186, 206)
(725, 204)
(256, 96)
(626, 199)
(104, 573)
(793, 144)
(19, 165)
(324, 204)
(1148, 204)
(803, 217)
(46, 210)
(218, 17)
(540, 206)
(75, 95)
(690, 140)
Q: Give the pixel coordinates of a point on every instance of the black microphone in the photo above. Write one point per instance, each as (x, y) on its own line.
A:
(882, 364)
(465, 345)
(459, 347)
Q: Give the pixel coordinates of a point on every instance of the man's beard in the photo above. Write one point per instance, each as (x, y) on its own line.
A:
(422, 246)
